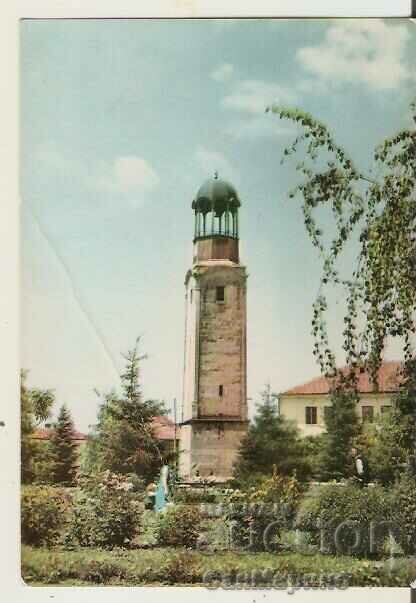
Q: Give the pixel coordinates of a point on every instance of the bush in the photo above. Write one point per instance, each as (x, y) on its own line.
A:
(179, 526)
(42, 514)
(384, 446)
(208, 494)
(106, 513)
(214, 535)
(403, 496)
(102, 571)
(341, 518)
(182, 569)
(257, 516)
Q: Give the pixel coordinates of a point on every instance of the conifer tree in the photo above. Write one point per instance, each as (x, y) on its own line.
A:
(123, 440)
(271, 441)
(342, 427)
(63, 449)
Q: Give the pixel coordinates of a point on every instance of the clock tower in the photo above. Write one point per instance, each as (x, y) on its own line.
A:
(215, 371)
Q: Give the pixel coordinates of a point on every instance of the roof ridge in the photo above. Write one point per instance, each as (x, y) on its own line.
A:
(321, 382)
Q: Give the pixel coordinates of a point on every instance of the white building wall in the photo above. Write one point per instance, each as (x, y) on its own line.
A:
(292, 407)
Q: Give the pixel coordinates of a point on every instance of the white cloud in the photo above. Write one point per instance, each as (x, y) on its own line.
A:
(250, 98)
(362, 51)
(223, 72)
(210, 161)
(253, 96)
(128, 174)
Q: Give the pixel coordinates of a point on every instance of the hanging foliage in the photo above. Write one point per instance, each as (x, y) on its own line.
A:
(377, 211)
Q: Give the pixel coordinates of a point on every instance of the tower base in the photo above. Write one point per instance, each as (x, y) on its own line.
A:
(209, 448)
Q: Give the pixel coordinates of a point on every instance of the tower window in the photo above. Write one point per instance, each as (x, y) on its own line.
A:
(221, 391)
(220, 294)
(311, 417)
(367, 413)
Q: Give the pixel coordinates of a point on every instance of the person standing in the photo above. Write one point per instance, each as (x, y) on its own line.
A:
(360, 468)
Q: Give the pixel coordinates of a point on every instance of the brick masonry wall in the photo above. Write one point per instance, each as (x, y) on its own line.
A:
(215, 446)
(222, 341)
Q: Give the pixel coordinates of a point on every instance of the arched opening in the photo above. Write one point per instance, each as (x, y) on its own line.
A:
(213, 223)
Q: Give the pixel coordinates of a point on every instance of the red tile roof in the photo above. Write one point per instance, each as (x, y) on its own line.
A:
(388, 381)
(164, 429)
(44, 433)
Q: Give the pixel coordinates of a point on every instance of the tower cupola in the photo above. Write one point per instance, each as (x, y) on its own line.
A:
(216, 233)
(216, 209)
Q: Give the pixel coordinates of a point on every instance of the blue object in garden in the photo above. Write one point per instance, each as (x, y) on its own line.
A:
(162, 491)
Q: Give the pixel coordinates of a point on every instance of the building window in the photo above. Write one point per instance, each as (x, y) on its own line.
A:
(367, 413)
(385, 408)
(220, 296)
(221, 391)
(326, 413)
(311, 415)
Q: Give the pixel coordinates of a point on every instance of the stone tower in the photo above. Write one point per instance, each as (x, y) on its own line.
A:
(215, 375)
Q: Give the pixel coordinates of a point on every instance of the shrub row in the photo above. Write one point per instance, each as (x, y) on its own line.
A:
(105, 513)
(40, 566)
(109, 567)
(346, 519)
(358, 521)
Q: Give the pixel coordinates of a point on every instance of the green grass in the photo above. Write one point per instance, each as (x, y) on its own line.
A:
(159, 566)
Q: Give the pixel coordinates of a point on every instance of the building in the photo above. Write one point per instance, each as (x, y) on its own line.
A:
(167, 433)
(215, 363)
(305, 404)
(43, 434)
(163, 428)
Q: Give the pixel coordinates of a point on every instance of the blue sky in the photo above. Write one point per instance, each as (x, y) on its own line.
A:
(121, 121)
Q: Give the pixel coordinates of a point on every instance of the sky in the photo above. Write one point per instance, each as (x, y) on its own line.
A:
(121, 122)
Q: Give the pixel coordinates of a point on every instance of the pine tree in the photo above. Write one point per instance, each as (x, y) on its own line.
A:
(123, 440)
(342, 427)
(270, 441)
(64, 449)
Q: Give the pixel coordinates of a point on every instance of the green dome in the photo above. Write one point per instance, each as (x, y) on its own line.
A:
(218, 195)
